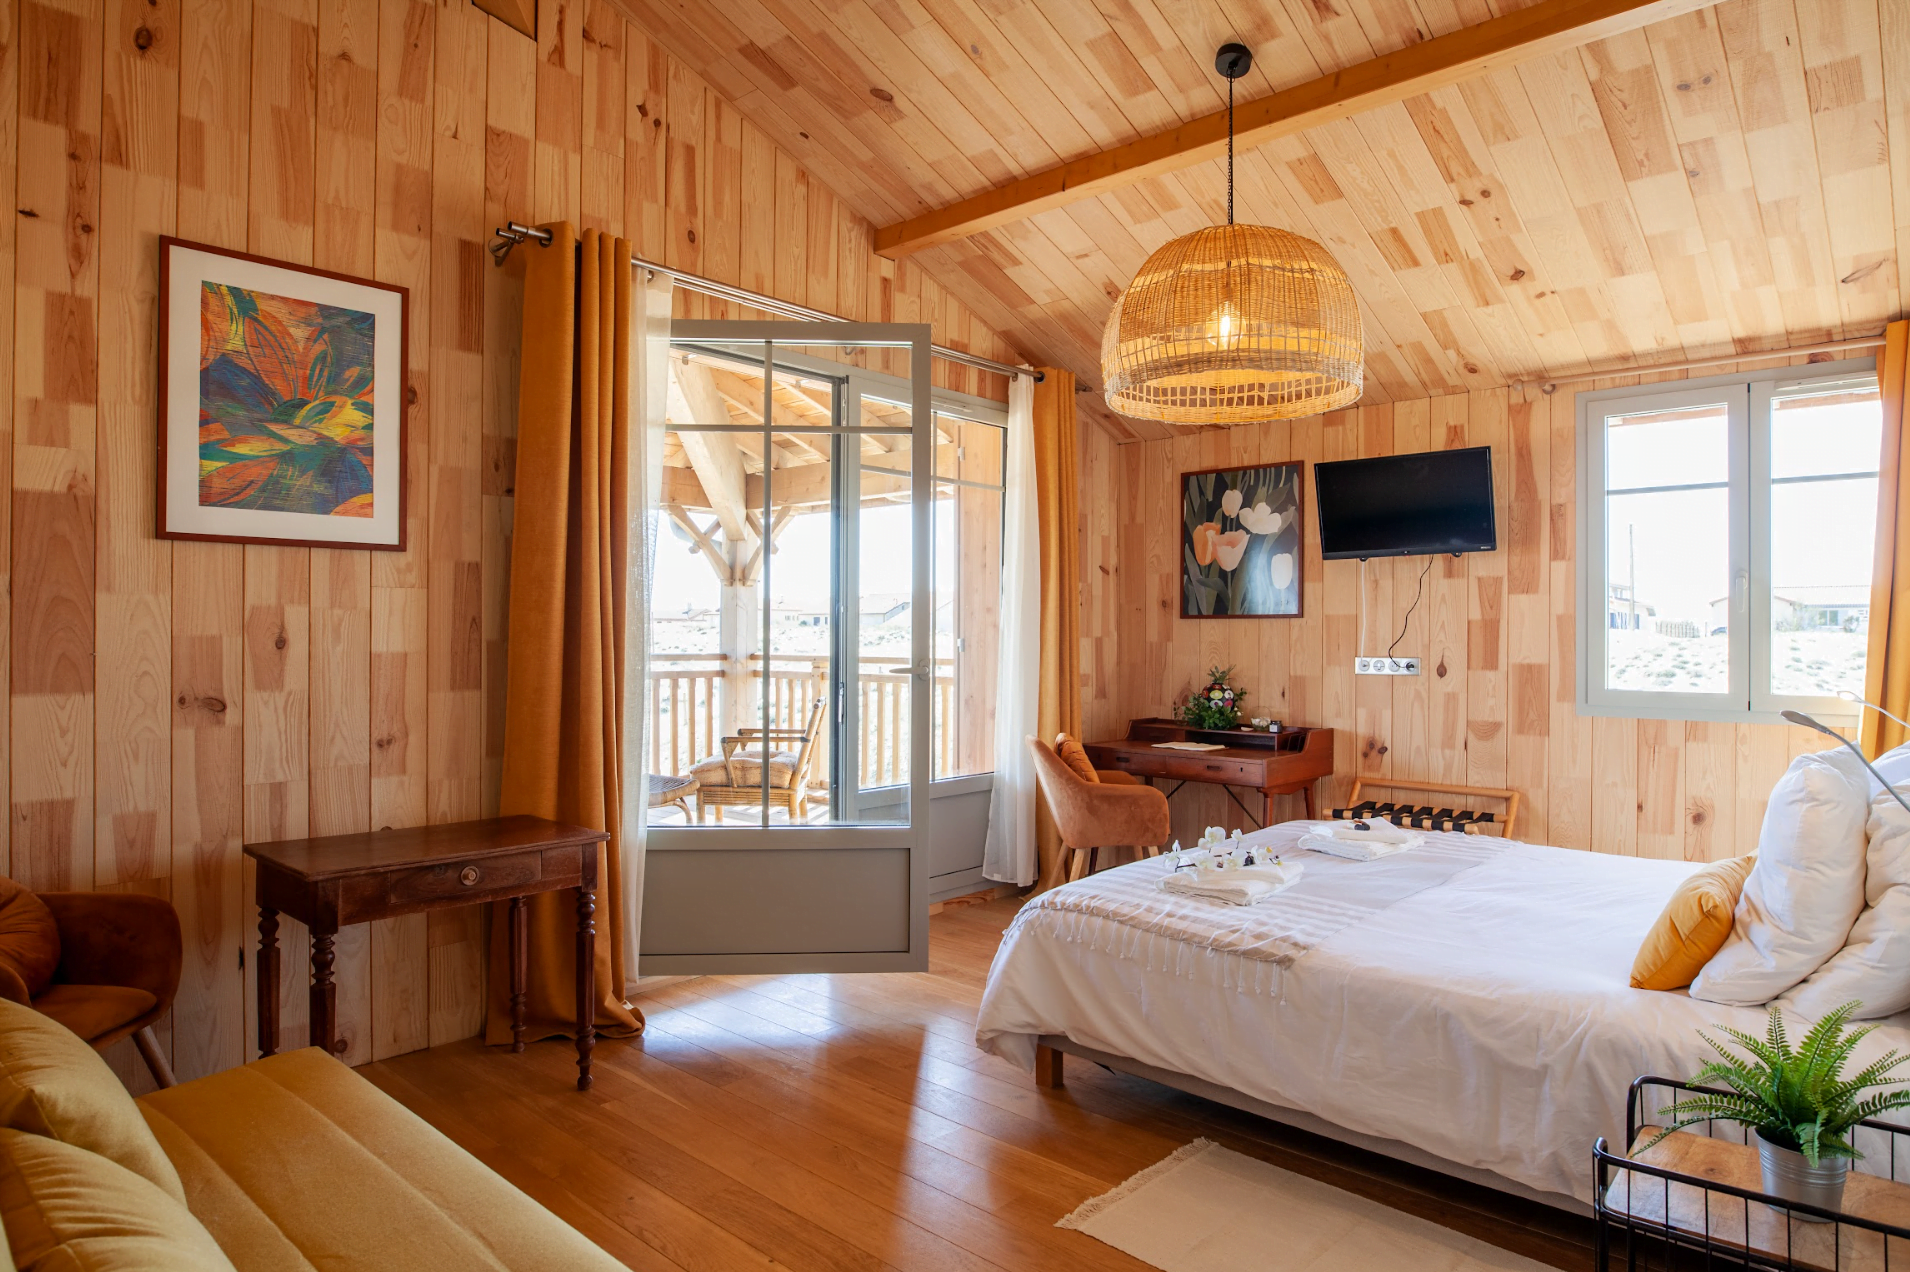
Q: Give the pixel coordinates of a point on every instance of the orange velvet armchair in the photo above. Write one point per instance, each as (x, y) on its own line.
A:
(104, 964)
(1115, 810)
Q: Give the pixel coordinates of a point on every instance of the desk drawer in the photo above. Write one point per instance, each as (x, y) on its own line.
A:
(1189, 766)
(458, 883)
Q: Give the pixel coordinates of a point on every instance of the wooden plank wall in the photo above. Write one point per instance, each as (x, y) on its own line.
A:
(1496, 631)
(167, 702)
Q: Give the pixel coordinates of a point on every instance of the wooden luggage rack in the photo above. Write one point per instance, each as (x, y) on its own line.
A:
(1473, 821)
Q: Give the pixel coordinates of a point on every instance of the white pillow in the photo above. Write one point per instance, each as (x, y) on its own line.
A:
(1874, 966)
(1894, 764)
(1807, 887)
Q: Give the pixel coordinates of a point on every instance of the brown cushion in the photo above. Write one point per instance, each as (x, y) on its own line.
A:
(68, 1210)
(29, 938)
(1075, 758)
(93, 1011)
(748, 767)
(53, 1084)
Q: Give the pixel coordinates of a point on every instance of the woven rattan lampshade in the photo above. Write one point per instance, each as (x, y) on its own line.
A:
(1234, 325)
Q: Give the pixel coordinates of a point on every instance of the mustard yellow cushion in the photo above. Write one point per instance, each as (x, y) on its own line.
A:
(1692, 927)
(1075, 757)
(296, 1161)
(53, 1084)
(68, 1210)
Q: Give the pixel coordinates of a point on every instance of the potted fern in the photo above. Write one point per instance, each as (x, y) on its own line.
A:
(1797, 1101)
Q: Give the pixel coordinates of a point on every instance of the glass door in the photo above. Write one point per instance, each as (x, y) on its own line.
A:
(791, 648)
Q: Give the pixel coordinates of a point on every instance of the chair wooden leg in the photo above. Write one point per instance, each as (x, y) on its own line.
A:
(148, 1044)
(1094, 859)
(1047, 1067)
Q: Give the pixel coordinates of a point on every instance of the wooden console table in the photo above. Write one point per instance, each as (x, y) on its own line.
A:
(339, 880)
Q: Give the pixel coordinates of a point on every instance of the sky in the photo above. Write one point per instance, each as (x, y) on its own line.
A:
(800, 571)
(1821, 533)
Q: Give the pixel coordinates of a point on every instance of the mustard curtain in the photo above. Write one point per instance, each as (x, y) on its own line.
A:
(1887, 670)
(562, 725)
(1056, 486)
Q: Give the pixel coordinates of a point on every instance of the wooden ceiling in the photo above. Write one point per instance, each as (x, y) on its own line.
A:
(1733, 179)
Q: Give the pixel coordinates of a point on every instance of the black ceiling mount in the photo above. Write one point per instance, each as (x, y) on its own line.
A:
(1233, 60)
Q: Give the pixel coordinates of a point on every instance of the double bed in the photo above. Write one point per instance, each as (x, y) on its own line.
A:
(1478, 1018)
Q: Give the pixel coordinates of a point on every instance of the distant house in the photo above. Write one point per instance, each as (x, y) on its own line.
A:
(1826, 608)
(1621, 613)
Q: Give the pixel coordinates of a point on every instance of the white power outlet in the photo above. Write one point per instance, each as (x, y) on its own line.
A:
(1386, 666)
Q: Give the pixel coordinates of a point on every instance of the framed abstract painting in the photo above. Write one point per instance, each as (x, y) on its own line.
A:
(1240, 542)
(281, 402)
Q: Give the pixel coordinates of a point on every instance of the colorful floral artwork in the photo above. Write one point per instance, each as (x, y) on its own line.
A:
(285, 404)
(1240, 542)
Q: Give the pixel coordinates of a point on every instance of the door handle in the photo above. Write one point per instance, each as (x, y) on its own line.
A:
(912, 670)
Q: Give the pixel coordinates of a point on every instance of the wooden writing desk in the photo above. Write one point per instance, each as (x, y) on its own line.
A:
(1283, 763)
(338, 880)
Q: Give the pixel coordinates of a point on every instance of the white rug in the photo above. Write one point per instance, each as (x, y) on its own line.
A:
(1209, 1209)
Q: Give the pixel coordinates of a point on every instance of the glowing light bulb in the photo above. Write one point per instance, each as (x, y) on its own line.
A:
(1224, 324)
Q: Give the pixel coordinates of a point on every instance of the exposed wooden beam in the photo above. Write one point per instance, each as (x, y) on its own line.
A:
(1549, 26)
(701, 541)
(714, 456)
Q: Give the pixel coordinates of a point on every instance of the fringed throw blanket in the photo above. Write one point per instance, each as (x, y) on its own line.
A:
(1332, 894)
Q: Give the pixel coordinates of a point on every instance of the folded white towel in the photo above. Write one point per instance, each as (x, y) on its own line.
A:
(1358, 849)
(1243, 885)
(1372, 830)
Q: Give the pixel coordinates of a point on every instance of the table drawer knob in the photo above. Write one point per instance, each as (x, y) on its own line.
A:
(468, 876)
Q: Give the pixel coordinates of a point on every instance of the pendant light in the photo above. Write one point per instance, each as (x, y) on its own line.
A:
(1234, 324)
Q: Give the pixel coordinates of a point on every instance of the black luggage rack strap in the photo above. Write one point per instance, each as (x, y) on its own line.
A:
(1652, 1216)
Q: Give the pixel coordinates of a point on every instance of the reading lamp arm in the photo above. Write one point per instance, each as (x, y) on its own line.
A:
(1798, 717)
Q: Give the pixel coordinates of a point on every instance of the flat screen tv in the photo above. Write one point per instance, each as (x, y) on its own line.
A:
(1406, 505)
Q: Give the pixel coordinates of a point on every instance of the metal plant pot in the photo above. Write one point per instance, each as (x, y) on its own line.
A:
(1789, 1175)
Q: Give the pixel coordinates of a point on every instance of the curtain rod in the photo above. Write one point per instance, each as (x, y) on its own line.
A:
(1550, 384)
(512, 234)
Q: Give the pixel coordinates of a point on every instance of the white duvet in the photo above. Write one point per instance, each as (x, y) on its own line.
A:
(1487, 1020)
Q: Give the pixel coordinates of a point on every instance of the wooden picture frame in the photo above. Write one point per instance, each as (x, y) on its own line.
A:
(519, 15)
(1242, 542)
(283, 402)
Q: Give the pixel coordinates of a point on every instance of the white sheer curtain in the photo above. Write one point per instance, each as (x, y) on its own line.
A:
(649, 394)
(1011, 855)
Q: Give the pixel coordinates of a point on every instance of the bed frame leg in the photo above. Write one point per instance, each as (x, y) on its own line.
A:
(1047, 1067)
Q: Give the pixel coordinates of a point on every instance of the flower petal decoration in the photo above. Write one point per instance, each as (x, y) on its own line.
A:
(1230, 547)
(1230, 503)
(1280, 570)
(1260, 519)
(1204, 536)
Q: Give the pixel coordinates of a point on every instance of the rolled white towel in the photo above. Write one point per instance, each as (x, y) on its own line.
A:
(1242, 885)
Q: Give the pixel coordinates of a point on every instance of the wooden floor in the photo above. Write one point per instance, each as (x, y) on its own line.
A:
(848, 1122)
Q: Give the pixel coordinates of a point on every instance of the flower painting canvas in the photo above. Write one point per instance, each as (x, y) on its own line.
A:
(282, 401)
(1240, 542)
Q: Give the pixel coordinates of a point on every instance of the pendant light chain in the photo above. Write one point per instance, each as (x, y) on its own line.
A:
(1230, 152)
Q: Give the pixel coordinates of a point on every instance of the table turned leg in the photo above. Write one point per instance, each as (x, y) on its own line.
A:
(268, 977)
(520, 969)
(324, 993)
(1306, 794)
(586, 983)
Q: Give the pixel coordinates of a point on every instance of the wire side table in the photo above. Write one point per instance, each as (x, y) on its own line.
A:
(1695, 1200)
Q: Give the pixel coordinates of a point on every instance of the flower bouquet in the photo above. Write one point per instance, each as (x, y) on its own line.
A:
(1215, 707)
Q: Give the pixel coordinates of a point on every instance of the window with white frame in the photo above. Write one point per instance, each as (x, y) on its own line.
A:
(1726, 532)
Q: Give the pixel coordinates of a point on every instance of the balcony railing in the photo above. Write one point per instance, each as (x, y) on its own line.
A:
(689, 712)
